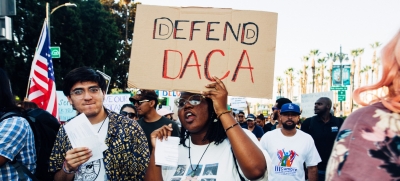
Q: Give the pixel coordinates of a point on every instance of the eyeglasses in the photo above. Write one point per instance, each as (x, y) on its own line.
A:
(193, 100)
(289, 114)
(129, 114)
(240, 116)
(139, 103)
(80, 92)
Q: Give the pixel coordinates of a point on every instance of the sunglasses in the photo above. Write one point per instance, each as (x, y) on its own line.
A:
(139, 103)
(128, 114)
(193, 100)
(240, 116)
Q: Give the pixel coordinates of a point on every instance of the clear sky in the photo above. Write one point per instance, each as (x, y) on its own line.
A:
(316, 24)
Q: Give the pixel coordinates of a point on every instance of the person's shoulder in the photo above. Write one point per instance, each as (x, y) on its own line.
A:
(366, 112)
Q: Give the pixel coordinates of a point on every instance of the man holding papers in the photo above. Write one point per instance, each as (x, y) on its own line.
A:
(98, 144)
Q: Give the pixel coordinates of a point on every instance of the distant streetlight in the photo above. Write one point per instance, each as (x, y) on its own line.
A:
(341, 56)
(48, 12)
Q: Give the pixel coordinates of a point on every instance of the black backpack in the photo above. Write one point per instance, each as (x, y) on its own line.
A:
(45, 128)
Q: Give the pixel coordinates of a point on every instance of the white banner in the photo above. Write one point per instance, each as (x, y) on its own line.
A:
(308, 102)
(114, 102)
(238, 102)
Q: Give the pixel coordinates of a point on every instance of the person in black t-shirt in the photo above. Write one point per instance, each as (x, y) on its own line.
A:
(323, 128)
(146, 102)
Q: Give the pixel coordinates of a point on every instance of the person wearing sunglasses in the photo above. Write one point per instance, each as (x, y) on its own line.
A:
(212, 144)
(146, 102)
(129, 111)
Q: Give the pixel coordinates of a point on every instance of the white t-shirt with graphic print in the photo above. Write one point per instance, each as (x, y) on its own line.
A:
(289, 153)
(94, 171)
(216, 164)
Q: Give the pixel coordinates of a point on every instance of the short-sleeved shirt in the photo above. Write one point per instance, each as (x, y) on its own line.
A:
(127, 156)
(324, 135)
(367, 146)
(257, 131)
(288, 154)
(149, 127)
(16, 143)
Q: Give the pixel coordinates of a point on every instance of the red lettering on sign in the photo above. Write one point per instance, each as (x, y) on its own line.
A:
(207, 65)
(165, 64)
(239, 66)
(193, 65)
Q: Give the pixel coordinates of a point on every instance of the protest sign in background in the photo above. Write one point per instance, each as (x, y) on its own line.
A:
(114, 102)
(308, 102)
(182, 48)
(238, 102)
(64, 107)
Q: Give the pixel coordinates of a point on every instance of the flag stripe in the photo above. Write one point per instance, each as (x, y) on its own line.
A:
(42, 90)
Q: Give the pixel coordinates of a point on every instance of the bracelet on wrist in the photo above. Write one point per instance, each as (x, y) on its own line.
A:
(222, 114)
(68, 172)
(231, 126)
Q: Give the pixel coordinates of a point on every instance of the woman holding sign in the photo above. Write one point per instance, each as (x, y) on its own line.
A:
(212, 144)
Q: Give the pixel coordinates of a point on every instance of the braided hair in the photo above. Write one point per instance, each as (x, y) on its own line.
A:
(215, 132)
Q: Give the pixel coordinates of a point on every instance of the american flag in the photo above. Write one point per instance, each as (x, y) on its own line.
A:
(42, 88)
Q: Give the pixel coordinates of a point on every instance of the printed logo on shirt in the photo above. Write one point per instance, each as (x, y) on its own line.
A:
(206, 173)
(88, 171)
(286, 159)
(335, 129)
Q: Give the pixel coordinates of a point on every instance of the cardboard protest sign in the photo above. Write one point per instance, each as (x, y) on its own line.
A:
(182, 48)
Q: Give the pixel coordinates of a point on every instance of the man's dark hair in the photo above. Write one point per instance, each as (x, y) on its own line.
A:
(82, 74)
(128, 105)
(215, 132)
(241, 112)
(282, 101)
(261, 116)
(7, 101)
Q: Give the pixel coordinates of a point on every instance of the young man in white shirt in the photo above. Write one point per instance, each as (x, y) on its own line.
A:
(289, 148)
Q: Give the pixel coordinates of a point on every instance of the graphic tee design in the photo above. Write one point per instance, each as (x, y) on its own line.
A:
(286, 159)
(88, 171)
(217, 163)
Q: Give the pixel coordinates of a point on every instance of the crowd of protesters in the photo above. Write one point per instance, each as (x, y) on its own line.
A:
(214, 144)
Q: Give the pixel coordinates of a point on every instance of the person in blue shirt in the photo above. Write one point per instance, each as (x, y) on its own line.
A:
(16, 136)
(251, 126)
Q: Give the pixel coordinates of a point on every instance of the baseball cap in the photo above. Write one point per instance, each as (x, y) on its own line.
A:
(251, 117)
(144, 94)
(163, 112)
(290, 107)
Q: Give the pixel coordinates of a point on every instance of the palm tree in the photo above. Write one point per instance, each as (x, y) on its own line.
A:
(289, 90)
(374, 46)
(330, 56)
(313, 54)
(359, 69)
(280, 84)
(322, 62)
(354, 54)
(304, 82)
(366, 73)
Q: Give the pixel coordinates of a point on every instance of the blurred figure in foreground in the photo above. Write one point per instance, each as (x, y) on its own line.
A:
(368, 144)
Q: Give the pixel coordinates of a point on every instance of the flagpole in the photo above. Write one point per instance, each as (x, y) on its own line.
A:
(27, 88)
(48, 19)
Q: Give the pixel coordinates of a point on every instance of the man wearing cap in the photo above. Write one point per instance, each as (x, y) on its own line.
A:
(289, 148)
(146, 102)
(241, 119)
(323, 128)
(251, 126)
(276, 109)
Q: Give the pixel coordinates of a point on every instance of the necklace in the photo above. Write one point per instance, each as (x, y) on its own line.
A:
(197, 166)
(101, 125)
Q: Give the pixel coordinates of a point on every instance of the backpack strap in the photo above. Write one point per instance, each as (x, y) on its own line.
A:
(237, 168)
(21, 169)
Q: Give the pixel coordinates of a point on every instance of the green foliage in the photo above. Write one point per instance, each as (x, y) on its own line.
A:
(87, 35)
